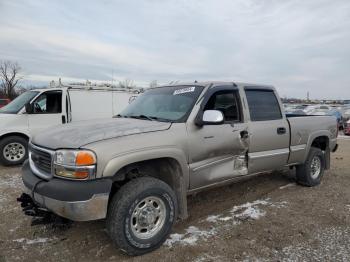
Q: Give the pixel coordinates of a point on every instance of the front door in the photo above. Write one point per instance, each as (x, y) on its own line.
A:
(218, 152)
(47, 111)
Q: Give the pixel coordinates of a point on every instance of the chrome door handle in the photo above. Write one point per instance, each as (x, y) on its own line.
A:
(281, 130)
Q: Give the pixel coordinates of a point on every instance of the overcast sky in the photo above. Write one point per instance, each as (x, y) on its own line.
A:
(296, 45)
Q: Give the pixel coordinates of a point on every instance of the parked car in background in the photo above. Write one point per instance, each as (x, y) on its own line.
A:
(137, 169)
(346, 113)
(329, 111)
(4, 102)
(347, 128)
(36, 110)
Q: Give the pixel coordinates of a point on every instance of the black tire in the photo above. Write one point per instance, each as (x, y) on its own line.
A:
(304, 173)
(124, 203)
(9, 160)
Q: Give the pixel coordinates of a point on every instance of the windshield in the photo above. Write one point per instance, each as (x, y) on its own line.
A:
(16, 105)
(171, 104)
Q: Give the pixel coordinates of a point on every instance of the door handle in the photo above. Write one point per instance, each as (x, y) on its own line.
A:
(244, 134)
(281, 130)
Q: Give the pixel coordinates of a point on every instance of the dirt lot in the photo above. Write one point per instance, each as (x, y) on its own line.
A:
(266, 218)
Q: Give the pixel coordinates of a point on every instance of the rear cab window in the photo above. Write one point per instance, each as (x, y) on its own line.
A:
(263, 105)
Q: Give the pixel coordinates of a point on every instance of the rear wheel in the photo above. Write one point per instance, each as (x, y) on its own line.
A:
(141, 215)
(311, 172)
(13, 150)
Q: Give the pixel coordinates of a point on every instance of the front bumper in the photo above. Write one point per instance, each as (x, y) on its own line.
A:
(75, 200)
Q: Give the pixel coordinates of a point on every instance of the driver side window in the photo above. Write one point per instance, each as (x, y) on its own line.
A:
(227, 103)
(48, 103)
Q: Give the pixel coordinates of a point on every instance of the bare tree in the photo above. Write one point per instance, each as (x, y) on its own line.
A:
(127, 83)
(9, 75)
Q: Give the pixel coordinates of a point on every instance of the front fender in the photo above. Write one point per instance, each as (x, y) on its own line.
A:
(121, 160)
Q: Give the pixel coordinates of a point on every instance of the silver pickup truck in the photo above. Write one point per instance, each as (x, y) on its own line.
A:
(136, 169)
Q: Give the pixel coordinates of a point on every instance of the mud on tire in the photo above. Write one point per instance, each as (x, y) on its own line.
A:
(138, 206)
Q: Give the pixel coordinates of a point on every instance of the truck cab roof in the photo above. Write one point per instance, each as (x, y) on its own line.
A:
(220, 83)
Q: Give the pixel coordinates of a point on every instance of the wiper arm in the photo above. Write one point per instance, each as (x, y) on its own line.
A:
(150, 118)
(118, 116)
(143, 117)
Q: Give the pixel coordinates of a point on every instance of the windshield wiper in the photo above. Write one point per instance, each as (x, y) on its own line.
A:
(150, 118)
(143, 117)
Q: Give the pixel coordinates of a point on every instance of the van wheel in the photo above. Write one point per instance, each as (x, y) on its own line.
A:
(141, 215)
(311, 172)
(13, 150)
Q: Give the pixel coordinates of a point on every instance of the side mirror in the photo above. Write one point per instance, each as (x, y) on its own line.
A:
(213, 117)
(29, 108)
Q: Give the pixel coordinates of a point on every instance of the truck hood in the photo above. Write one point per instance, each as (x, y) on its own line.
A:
(79, 134)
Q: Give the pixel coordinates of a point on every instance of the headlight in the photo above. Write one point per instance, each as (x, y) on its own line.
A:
(75, 164)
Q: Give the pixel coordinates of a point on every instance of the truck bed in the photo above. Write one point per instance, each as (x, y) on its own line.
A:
(303, 130)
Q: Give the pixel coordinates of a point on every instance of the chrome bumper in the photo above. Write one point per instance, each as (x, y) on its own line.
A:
(92, 209)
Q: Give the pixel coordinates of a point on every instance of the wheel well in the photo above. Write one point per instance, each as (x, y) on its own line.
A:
(15, 134)
(321, 142)
(166, 169)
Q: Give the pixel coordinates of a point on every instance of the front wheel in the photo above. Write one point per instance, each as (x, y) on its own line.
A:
(311, 172)
(141, 215)
(13, 150)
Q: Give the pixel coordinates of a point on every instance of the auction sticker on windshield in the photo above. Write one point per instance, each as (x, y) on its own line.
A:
(184, 90)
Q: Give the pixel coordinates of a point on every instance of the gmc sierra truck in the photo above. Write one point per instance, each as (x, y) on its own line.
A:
(136, 169)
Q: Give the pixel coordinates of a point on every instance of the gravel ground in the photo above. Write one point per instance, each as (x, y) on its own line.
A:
(266, 218)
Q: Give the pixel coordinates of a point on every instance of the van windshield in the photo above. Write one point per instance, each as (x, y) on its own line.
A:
(170, 104)
(16, 105)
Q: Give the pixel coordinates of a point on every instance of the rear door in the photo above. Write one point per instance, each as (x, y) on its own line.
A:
(217, 152)
(269, 131)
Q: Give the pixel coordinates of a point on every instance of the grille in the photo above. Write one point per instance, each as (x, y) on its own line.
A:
(41, 160)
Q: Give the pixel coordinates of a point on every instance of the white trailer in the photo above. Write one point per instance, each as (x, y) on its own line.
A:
(38, 109)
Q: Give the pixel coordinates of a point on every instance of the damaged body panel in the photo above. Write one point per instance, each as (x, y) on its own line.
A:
(170, 142)
(217, 154)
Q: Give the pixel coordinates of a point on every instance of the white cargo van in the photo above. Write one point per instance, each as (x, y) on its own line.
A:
(38, 109)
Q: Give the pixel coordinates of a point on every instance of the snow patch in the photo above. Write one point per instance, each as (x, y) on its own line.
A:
(250, 210)
(212, 219)
(32, 241)
(287, 186)
(192, 235)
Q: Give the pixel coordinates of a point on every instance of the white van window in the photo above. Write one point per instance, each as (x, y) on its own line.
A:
(48, 103)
